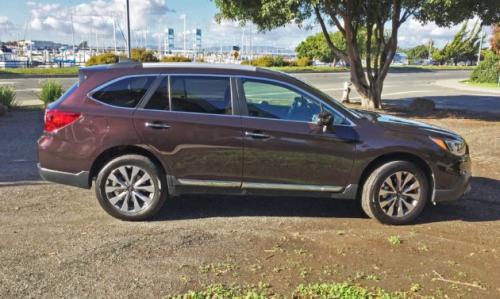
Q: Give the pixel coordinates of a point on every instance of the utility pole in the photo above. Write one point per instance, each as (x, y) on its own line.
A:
(114, 34)
(430, 49)
(184, 33)
(480, 46)
(129, 50)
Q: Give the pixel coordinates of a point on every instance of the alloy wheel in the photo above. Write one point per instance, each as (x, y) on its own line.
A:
(129, 189)
(399, 194)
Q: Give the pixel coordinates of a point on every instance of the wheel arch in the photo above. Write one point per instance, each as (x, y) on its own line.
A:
(121, 150)
(397, 156)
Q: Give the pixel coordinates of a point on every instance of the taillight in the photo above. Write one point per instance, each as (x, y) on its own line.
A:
(55, 119)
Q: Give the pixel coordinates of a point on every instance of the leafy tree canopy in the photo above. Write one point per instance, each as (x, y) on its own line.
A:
(381, 19)
(464, 46)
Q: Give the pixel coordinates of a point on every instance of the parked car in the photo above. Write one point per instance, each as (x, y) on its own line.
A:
(145, 133)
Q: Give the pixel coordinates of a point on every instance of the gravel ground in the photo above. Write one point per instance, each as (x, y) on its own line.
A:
(56, 241)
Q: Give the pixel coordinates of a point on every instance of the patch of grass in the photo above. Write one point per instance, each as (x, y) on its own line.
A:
(415, 287)
(340, 290)
(394, 240)
(255, 267)
(344, 290)
(7, 96)
(219, 291)
(304, 272)
(217, 268)
(331, 69)
(485, 85)
(423, 247)
(19, 72)
(51, 91)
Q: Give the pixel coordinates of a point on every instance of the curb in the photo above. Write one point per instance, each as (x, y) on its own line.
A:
(453, 84)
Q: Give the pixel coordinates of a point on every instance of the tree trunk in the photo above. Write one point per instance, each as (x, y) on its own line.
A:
(371, 97)
(369, 91)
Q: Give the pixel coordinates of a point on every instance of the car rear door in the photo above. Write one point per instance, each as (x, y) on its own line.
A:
(190, 122)
(284, 148)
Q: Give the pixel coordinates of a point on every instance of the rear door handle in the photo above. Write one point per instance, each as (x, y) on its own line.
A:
(256, 135)
(157, 125)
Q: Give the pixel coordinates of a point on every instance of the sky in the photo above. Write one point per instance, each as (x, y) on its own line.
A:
(92, 20)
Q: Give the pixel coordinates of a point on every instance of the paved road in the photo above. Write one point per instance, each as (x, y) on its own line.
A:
(407, 85)
(399, 86)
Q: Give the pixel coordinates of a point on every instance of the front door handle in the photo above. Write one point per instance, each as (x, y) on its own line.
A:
(157, 125)
(256, 135)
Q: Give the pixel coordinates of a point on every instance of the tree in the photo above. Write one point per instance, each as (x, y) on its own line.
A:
(316, 47)
(495, 39)
(381, 19)
(463, 47)
(419, 52)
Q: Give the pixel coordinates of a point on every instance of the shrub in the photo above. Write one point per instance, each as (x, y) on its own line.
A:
(105, 58)
(263, 61)
(269, 61)
(488, 70)
(143, 55)
(303, 61)
(7, 96)
(51, 91)
(176, 59)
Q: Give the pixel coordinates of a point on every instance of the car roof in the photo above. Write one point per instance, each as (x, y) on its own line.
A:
(171, 65)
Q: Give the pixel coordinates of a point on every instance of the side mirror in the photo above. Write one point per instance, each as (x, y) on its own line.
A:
(324, 119)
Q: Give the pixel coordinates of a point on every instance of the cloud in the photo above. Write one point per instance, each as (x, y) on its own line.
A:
(231, 33)
(96, 16)
(413, 33)
(6, 24)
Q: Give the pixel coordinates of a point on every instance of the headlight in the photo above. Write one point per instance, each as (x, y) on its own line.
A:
(454, 146)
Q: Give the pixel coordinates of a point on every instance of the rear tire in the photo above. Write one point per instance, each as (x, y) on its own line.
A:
(131, 187)
(395, 193)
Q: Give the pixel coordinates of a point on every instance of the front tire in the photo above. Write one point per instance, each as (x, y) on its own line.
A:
(131, 187)
(395, 193)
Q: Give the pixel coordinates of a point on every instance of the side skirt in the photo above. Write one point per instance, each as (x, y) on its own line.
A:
(182, 186)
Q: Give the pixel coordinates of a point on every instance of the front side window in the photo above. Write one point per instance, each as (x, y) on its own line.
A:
(159, 99)
(126, 92)
(201, 94)
(270, 100)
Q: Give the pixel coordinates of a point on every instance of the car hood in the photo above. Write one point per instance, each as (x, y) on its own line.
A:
(406, 125)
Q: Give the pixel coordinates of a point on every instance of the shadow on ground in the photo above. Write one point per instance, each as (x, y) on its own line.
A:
(481, 204)
(485, 108)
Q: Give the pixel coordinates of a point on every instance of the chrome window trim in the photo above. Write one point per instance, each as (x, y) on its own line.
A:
(299, 90)
(257, 185)
(107, 83)
(169, 75)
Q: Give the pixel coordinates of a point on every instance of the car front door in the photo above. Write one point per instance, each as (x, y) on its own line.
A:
(284, 148)
(190, 122)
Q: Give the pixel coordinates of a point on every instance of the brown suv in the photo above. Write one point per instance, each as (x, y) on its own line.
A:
(146, 132)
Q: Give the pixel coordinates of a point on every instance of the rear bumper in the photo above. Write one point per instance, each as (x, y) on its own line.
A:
(80, 179)
(461, 187)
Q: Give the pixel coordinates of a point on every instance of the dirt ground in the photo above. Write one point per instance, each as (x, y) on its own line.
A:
(56, 241)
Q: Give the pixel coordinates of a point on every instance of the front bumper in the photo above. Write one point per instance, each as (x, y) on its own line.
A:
(80, 179)
(461, 187)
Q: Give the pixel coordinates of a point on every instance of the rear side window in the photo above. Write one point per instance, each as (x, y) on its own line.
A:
(201, 94)
(126, 92)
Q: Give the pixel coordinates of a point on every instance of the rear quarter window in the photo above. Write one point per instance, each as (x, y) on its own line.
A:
(124, 92)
